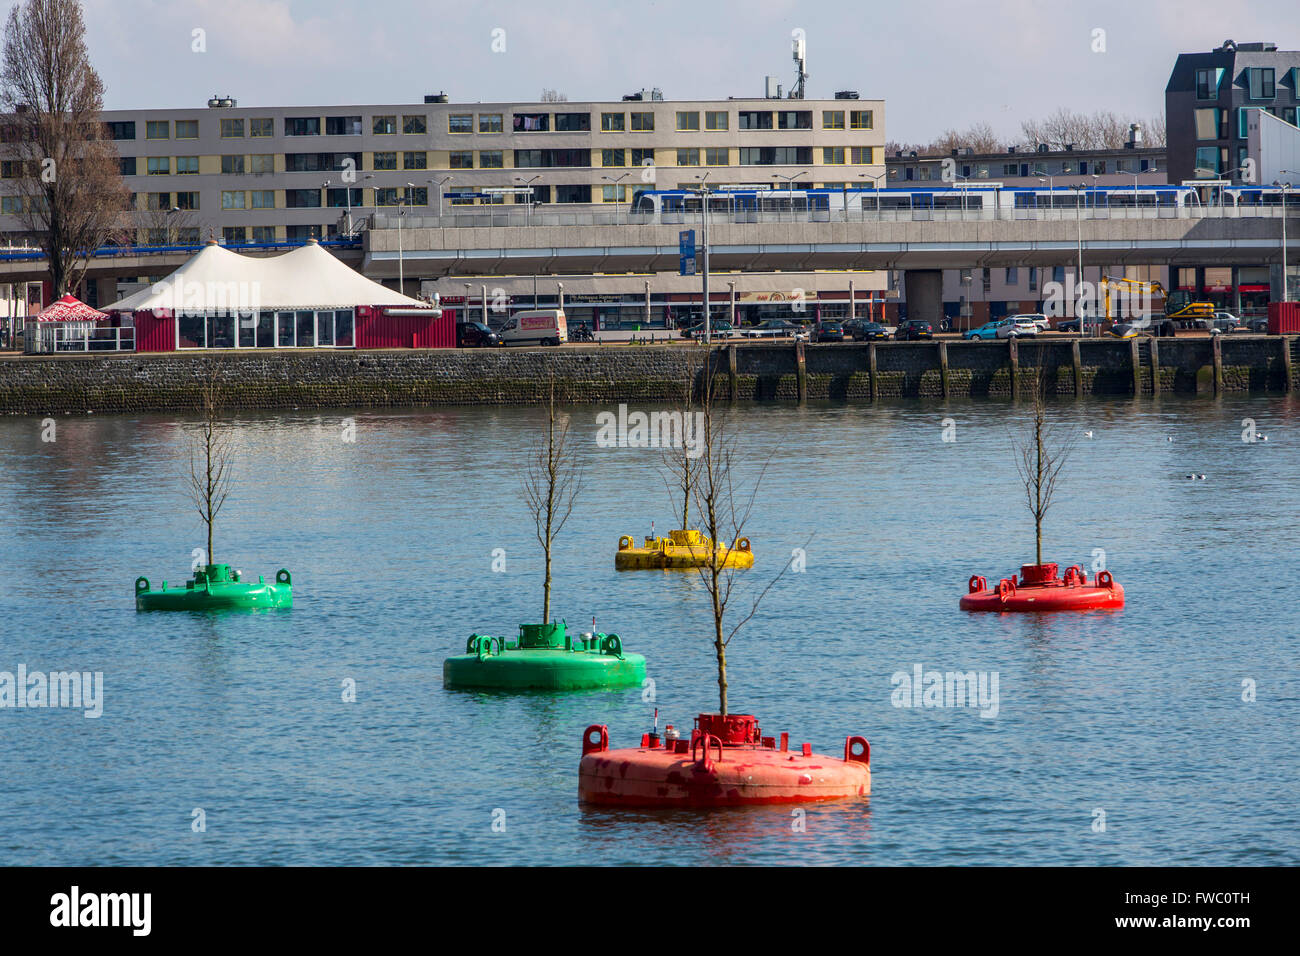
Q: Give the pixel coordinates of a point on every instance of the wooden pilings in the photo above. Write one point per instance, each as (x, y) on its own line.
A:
(800, 372)
(1013, 352)
(1135, 362)
(1077, 361)
(943, 366)
(1155, 366)
(1216, 350)
(733, 378)
(1286, 359)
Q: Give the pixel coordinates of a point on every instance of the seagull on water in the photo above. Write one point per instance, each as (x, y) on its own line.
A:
(1087, 434)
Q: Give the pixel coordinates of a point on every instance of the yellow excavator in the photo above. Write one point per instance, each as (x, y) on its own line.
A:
(1179, 307)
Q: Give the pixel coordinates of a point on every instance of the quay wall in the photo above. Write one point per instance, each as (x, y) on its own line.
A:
(38, 385)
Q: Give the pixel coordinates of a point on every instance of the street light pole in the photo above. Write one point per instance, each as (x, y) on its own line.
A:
(703, 192)
(1078, 215)
(1285, 187)
(616, 182)
(440, 183)
(528, 215)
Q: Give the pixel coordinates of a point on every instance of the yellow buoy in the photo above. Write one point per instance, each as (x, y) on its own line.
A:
(681, 549)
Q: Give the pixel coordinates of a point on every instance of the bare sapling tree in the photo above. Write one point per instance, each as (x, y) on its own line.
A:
(211, 455)
(1041, 453)
(724, 508)
(552, 482)
(73, 198)
(680, 465)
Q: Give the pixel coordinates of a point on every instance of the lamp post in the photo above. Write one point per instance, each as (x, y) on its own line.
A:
(875, 184)
(440, 183)
(1078, 215)
(616, 181)
(528, 216)
(731, 289)
(789, 187)
(1051, 185)
(467, 288)
(647, 303)
(1285, 187)
(703, 192)
(1135, 182)
(560, 288)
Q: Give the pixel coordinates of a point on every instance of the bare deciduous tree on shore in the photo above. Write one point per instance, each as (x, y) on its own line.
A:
(211, 454)
(552, 480)
(1040, 456)
(70, 183)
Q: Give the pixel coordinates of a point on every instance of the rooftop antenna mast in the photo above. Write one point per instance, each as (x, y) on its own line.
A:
(799, 54)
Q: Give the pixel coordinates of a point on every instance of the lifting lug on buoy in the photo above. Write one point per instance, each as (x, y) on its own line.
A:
(977, 583)
(600, 744)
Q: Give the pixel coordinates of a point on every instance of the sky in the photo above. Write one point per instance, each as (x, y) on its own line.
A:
(937, 64)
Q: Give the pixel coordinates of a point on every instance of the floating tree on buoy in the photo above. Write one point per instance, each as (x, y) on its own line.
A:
(546, 656)
(684, 547)
(214, 586)
(1040, 458)
(726, 760)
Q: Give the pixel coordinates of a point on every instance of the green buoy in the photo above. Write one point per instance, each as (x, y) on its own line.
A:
(216, 587)
(545, 657)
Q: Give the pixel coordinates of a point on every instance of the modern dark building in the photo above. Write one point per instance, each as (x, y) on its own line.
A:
(1208, 100)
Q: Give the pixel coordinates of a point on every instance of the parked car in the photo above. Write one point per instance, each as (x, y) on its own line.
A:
(828, 331)
(720, 329)
(913, 329)
(543, 326)
(1225, 322)
(870, 332)
(1258, 324)
(989, 330)
(1072, 325)
(1038, 318)
(470, 335)
(771, 329)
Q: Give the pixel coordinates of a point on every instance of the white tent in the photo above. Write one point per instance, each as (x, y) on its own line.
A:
(308, 278)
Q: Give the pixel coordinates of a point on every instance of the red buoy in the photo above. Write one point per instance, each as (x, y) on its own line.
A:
(726, 762)
(1039, 589)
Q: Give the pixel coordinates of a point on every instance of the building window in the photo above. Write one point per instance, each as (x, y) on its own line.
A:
(491, 159)
(263, 198)
(187, 129)
(461, 159)
(232, 129)
(643, 122)
(417, 196)
(832, 119)
(1033, 278)
(124, 130)
(264, 234)
(414, 125)
(261, 127)
(232, 199)
(688, 121)
(386, 196)
(232, 165)
(1011, 276)
(1207, 161)
(532, 122)
(343, 126)
(384, 125)
(573, 122)
(861, 119)
(1099, 167)
(754, 119)
(385, 160)
(1260, 82)
(614, 193)
(643, 157)
(1207, 123)
(460, 122)
(716, 120)
(688, 157)
(302, 198)
(302, 126)
(158, 202)
(11, 205)
(613, 157)
(612, 122)
(159, 166)
(126, 166)
(187, 165)
(261, 163)
(158, 129)
(542, 158)
(1207, 84)
(833, 155)
(189, 236)
(343, 197)
(794, 119)
(577, 194)
(234, 235)
(417, 160)
(188, 201)
(861, 155)
(716, 156)
(775, 155)
(490, 123)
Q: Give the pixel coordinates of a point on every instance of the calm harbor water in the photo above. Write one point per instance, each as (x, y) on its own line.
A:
(1137, 715)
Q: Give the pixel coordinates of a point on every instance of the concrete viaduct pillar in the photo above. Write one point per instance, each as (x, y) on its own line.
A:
(924, 291)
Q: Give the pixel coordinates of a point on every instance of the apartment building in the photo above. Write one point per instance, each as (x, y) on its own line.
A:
(1017, 167)
(264, 174)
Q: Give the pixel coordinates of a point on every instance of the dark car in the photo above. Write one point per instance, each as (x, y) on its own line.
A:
(771, 329)
(1072, 325)
(1257, 324)
(718, 328)
(913, 329)
(828, 331)
(475, 335)
(870, 332)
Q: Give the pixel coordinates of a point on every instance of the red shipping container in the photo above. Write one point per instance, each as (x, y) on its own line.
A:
(1284, 318)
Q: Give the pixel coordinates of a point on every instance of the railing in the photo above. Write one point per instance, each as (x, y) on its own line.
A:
(54, 337)
(505, 217)
(113, 252)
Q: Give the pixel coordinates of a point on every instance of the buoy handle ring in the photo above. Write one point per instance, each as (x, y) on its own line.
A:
(1006, 589)
(856, 749)
(1104, 580)
(283, 577)
(1074, 576)
(707, 740)
(742, 544)
(624, 542)
(141, 584)
(977, 583)
(612, 645)
(601, 742)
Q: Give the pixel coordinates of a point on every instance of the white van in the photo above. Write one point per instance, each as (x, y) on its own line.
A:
(543, 326)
